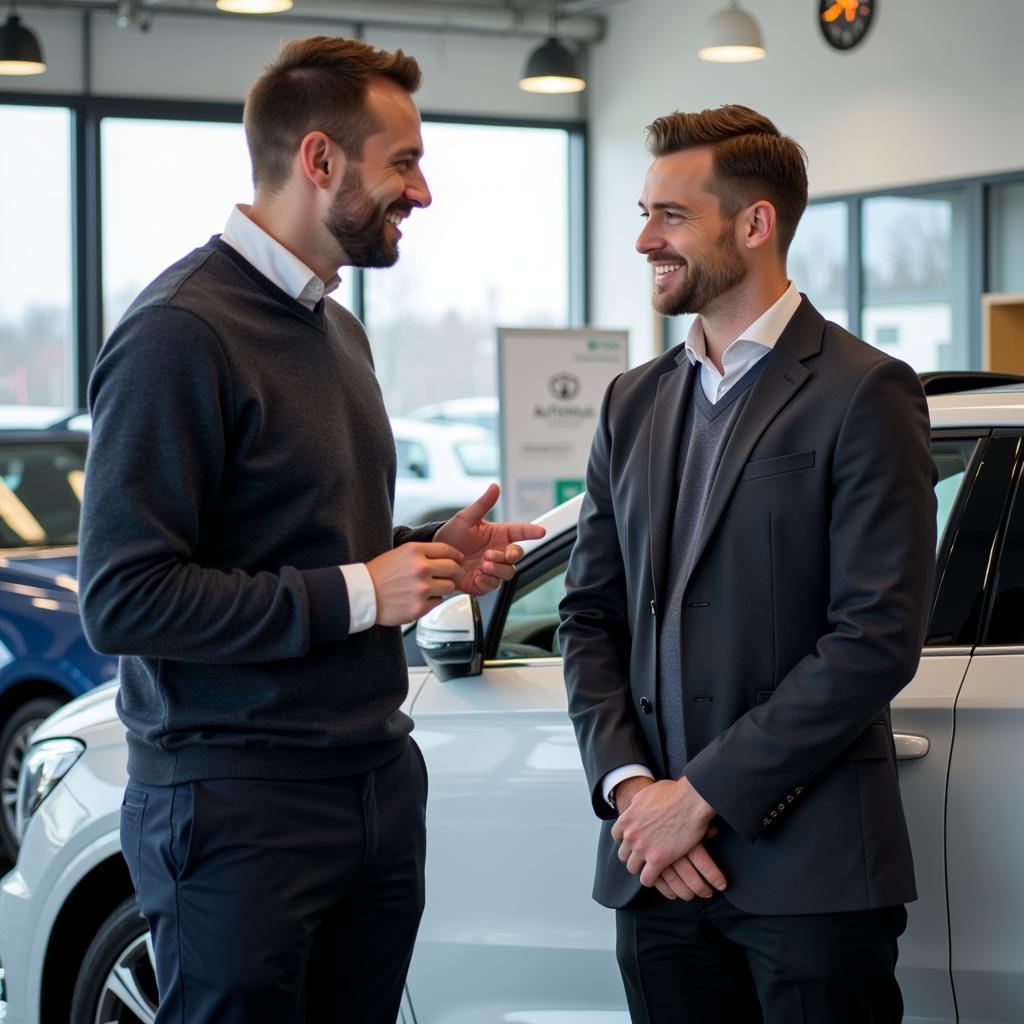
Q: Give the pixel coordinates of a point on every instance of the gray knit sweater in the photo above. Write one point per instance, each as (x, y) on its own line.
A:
(240, 453)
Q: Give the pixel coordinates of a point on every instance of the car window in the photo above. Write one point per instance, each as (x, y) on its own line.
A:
(412, 459)
(531, 626)
(40, 494)
(952, 457)
(968, 547)
(478, 458)
(1006, 621)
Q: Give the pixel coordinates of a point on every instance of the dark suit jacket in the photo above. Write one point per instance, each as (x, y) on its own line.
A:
(803, 615)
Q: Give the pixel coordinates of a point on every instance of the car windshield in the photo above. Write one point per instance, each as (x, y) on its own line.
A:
(40, 492)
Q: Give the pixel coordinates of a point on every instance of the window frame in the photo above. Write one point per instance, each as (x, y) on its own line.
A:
(976, 190)
(88, 111)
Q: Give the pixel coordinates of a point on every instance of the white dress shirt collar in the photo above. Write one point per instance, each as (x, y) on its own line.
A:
(753, 344)
(273, 260)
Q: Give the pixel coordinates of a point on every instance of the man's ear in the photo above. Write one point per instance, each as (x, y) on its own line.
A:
(759, 223)
(320, 160)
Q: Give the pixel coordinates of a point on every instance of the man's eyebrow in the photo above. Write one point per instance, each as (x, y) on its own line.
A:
(663, 206)
(411, 151)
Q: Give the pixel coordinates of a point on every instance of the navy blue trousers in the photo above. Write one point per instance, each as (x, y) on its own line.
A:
(707, 962)
(281, 902)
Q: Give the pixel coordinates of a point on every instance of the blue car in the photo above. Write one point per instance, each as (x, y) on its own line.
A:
(45, 659)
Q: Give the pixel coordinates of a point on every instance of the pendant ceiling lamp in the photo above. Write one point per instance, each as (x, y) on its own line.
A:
(254, 6)
(731, 36)
(552, 67)
(20, 52)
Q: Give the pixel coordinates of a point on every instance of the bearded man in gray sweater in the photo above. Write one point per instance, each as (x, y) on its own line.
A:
(237, 551)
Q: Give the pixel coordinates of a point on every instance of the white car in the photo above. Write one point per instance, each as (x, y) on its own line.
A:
(442, 467)
(510, 933)
(481, 411)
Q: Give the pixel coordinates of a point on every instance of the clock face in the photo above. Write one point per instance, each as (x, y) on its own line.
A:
(844, 23)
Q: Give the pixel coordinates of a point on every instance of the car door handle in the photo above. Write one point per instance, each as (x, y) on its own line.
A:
(910, 747)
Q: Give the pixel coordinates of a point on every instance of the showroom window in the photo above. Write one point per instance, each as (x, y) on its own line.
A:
(818, 259)
(1006, 238)
(492, 249)
(914, 260)
(128, 187)
(36, 314)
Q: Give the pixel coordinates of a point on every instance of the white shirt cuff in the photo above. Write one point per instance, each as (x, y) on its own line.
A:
(362, 598)
(617, 775)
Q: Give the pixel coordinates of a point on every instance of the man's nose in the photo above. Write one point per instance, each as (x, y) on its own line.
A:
(648, 240)
(418, 192)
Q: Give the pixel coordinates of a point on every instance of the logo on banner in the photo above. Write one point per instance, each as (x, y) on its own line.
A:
(564, 386)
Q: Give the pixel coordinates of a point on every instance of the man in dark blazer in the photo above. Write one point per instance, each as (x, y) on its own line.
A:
(748, 591)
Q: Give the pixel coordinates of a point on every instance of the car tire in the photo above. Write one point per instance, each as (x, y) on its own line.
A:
(117, 981)
(14, 739)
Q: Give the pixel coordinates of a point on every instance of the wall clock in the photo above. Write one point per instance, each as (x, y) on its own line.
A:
(844, 23)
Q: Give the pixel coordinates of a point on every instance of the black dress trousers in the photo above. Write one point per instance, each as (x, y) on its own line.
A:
(707, 962)
(281, 902)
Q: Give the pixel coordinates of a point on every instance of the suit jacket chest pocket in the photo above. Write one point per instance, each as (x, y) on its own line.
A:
(759, 469)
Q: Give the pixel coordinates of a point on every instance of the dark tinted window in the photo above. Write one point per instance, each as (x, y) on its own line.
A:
(1006, 620)
(40, 493)
(967, 548)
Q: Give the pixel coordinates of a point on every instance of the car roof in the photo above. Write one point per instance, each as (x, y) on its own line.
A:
(474, 404)
(429, 430)
(1001, 406)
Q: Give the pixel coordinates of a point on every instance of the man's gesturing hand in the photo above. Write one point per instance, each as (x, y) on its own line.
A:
(489, 550)
(663, 824)
(413, 578)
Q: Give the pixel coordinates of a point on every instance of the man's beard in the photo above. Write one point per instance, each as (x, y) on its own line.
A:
(722, 268)
(357, 224)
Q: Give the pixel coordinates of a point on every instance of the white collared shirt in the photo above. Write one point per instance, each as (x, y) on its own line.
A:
(273, 260)
(293, 277)
(752, 345)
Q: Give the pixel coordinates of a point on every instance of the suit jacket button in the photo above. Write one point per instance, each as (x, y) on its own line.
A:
(645, 706)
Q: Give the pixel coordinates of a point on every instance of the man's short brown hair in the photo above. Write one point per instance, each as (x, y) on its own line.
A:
(751, 160)
(316, 84)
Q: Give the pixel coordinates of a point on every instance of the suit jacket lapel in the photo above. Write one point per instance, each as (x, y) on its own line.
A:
(666, 428)
(783, 375)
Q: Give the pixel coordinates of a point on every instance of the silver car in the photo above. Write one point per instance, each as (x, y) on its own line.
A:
(510, 933)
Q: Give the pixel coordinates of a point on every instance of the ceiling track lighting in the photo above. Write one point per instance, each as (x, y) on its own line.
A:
(552, 67)
(731, 36)
(20, 52)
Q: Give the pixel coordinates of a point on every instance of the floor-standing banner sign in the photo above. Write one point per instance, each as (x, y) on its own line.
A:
(550, 385)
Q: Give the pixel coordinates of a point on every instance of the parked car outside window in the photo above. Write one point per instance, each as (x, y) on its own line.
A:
(442, 468)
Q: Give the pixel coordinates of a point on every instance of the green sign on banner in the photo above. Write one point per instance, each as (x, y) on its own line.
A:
(566, 489)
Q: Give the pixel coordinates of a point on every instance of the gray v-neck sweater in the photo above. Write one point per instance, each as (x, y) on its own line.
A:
(240, 453)
(706, 431)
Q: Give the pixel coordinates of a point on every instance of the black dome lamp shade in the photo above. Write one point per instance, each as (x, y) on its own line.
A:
(552, 67)
(20, 52)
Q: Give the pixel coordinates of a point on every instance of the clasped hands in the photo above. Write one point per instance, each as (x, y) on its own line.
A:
(661, 831)
(467, 554)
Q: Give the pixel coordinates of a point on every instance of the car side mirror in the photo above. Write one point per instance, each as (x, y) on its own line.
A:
(451, 637)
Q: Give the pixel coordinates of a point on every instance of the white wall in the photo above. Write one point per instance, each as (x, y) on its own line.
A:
(217, 58)
(935, 91)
